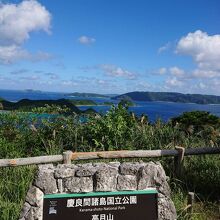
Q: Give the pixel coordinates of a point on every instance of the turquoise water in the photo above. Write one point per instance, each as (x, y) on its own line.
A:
(154, 110)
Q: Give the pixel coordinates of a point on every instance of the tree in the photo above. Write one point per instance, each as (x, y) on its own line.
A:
(111, 131)
(51, 109)
(196, 121)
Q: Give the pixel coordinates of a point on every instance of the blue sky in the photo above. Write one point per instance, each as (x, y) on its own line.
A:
(110, 46)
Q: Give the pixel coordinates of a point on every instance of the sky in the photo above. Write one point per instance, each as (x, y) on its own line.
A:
(110, 46)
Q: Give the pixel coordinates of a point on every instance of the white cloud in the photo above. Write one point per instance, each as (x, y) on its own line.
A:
(114, 71)
(173, 71)
(17, 21)
(143, 85)
(12, 53)
(216, 83)
(162, 71)
(201, 73)
(101, 82)
(164, 47)
(204, 49)
(210, 86)
(202, 85)
(205, 52)
(30, 78)
(176, 71)
(69, 83)
(174, 82)
(86, 40)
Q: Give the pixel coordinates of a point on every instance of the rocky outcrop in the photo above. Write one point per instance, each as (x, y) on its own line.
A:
(98, 177)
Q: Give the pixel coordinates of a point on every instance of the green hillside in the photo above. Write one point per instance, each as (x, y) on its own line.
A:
(28, 105)
(83, 102)
(170, 97)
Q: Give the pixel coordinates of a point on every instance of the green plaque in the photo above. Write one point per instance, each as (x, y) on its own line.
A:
(120, 205)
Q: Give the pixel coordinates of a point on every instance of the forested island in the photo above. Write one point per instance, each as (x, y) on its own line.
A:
(27, 105)
(170, 97)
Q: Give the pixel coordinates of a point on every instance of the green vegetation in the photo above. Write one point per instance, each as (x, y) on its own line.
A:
(83, 102)
(23, 136)
(1, 106)
(198, 119)
(50, 106)
(108, 103)
(27, 105)
(14, 184)
(200, 122)
(123, 102)
(51, 109)
(126, 102)
(170, 97)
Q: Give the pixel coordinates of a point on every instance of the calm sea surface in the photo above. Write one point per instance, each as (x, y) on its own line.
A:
(154, 110)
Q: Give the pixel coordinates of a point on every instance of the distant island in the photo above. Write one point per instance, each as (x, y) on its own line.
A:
(87, 102)
(27, 105)
(169, 97)
(87, 95)
(32, 90)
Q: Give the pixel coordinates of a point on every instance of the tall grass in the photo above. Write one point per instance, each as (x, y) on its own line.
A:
(13, 187)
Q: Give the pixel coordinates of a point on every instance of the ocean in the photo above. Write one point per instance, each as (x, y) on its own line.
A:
(154, 110)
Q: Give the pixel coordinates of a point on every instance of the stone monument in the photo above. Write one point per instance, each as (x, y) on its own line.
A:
(98, 177)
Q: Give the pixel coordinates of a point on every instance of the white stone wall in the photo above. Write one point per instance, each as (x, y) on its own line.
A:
(98, 177)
